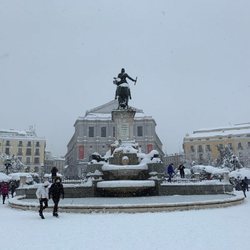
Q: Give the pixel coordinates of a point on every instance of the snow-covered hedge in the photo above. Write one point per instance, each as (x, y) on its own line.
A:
(4, 177)
(240, 173)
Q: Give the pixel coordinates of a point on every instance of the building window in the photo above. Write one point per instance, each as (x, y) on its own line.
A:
(29, 144)
(91, 131)
(20, 144)
(149, 147)
(20, 151)
(7, 151)
(139, 131)
(27, 160)
(37, 144)
(113, 131)
(200, 149)
(248, 145)
(103, 131)
(192, 148)
(37, 151)
(240, 146)
(7, 143)
(28, 151)
(37, 160)
(208, 148)
(20, 158)
(81, 152)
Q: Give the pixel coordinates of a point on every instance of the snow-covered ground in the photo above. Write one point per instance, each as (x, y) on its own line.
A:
(222, 228)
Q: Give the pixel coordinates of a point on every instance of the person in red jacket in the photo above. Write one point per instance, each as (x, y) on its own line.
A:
(5, 190)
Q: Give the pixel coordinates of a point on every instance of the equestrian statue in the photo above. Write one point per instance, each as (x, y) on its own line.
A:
(123, 90)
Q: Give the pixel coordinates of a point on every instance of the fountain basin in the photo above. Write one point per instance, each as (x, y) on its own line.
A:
(125, 188)
(125, 172)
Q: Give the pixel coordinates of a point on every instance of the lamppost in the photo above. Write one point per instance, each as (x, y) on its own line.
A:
(7, 164)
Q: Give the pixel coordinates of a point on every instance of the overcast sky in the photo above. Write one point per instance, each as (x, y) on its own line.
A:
(58, 59)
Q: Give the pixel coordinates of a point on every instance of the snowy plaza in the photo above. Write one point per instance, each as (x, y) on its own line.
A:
(217, 228)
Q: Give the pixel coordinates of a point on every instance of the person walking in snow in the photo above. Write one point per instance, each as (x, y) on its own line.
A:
(54, 171)
(13, 187)
(181, 169)
(244, 185)
(42, 194)
(56, 191)
(4, 190)
(170, 171)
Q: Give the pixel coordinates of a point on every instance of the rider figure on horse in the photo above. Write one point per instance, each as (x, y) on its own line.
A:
(122, 76)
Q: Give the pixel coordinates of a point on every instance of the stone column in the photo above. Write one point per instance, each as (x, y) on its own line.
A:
(124, 120)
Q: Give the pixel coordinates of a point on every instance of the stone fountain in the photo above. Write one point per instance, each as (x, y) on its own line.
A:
(127, 172)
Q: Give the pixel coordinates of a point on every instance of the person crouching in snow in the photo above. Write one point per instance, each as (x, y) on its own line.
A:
(42, 194)
(56, 191)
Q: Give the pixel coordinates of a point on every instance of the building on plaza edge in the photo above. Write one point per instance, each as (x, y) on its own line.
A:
(24, 146)
(95, 132)
(202, 145)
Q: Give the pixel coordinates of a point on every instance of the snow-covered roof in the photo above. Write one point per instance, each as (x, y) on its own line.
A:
(103, 112)
(22, 134)
(239, 129)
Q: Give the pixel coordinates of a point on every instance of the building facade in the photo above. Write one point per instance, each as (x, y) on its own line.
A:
(53, 161)
(202, 145)
(23, 146)
(177, 159)
(95, 132)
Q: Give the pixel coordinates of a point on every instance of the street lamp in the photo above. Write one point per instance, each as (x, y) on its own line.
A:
(7, 164)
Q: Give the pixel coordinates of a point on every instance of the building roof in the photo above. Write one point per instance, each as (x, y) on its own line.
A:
(237, 129)
(21, 134)
(103, 112)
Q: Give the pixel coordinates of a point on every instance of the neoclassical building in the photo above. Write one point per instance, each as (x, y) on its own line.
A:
(202, 145)
(24, 146)
(95, 132)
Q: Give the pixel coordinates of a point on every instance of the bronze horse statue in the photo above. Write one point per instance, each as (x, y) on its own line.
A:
(123, 94)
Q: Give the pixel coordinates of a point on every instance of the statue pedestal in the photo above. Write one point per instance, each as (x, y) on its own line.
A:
(22, 181)
(226, 177)
(124, 120)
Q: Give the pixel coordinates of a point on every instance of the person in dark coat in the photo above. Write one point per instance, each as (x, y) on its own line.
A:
(181, 169)
(4, 190)
(13, 187)
(54, 171)
(244, 185)
(56, 191)
(170, 171)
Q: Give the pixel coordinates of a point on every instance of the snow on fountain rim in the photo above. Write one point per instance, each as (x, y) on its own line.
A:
(124, 167)
(125, 183)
